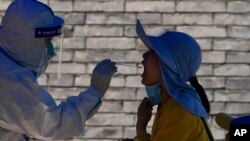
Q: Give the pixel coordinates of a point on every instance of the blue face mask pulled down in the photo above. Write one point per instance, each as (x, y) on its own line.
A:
(154, 93)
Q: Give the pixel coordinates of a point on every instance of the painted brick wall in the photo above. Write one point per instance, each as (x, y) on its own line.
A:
(98, 29)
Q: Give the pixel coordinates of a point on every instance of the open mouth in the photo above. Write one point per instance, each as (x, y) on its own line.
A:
(143, 71)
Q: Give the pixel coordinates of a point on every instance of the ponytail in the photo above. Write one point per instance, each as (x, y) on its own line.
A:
(194, 82)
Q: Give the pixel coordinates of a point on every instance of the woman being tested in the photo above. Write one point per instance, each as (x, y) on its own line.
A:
(172, 60)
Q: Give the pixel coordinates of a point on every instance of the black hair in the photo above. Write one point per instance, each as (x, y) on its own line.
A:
(194, 82)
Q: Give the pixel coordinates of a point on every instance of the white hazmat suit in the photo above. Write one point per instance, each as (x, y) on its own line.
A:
(25, 107)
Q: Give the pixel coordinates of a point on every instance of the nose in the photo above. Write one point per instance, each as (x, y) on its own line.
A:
(144, 56)
(143, 61)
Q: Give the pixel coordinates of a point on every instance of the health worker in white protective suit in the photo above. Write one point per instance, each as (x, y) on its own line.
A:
(26, 109)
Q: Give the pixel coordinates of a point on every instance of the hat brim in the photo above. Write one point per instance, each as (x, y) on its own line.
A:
(223, 120)
(58, 21)
(155, 43)
(52, 30)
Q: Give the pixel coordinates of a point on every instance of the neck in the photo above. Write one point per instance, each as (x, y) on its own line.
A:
(164, 95)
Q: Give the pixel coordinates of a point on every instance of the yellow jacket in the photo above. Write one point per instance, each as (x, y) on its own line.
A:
(174, 123)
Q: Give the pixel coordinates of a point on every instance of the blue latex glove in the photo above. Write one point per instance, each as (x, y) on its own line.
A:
(102, 75)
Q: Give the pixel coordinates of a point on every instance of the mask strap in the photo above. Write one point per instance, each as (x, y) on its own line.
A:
(60, 57)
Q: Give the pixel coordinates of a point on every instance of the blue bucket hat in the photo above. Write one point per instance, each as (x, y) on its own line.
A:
(180, 59)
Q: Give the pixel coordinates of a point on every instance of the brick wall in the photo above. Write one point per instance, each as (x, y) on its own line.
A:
(97, 29)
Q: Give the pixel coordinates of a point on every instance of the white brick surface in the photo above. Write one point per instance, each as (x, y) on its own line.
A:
(210, 95)
(150, 6)
(67, 68)
(187, 19)
(217, 107)
(203, 31)
(67, 56)
(82, 80)
(100, 132)
(74, 18)
(118, 56)
(131, 106)
(140, 45)
(238, 6)
(150, 123)
(232, 108)
(66, 80)
(90, 68)
(235, 45)
(205, 70)
(110, 43)
(149, 18)
(74, 43)
(99, 6)
(111, 106)
(98, 31)
(87, 139)
(121, 94)
(44, 1)
(141, 93)
(129, 132)
(133, 81)
(212, 82)
(218, 134)
(239, 31)
(232, 95)
(61, 6)
(238, 57)
(111, 18)
(126, 68)
(150, 30)
(42, 80)
(232, 70)
(101, 29)
(213, 57)
(68, 31)
(118, 81)
(232, 19)
(63, 93)
(201, 6)
(238, 83)
(111, 119)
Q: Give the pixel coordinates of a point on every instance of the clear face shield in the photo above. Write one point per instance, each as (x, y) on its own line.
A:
(53, 36)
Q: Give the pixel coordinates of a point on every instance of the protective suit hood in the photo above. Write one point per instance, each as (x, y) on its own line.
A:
(25, 27)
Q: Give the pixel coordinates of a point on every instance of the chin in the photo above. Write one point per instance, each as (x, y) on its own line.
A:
(142, 81)
(145, 82)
